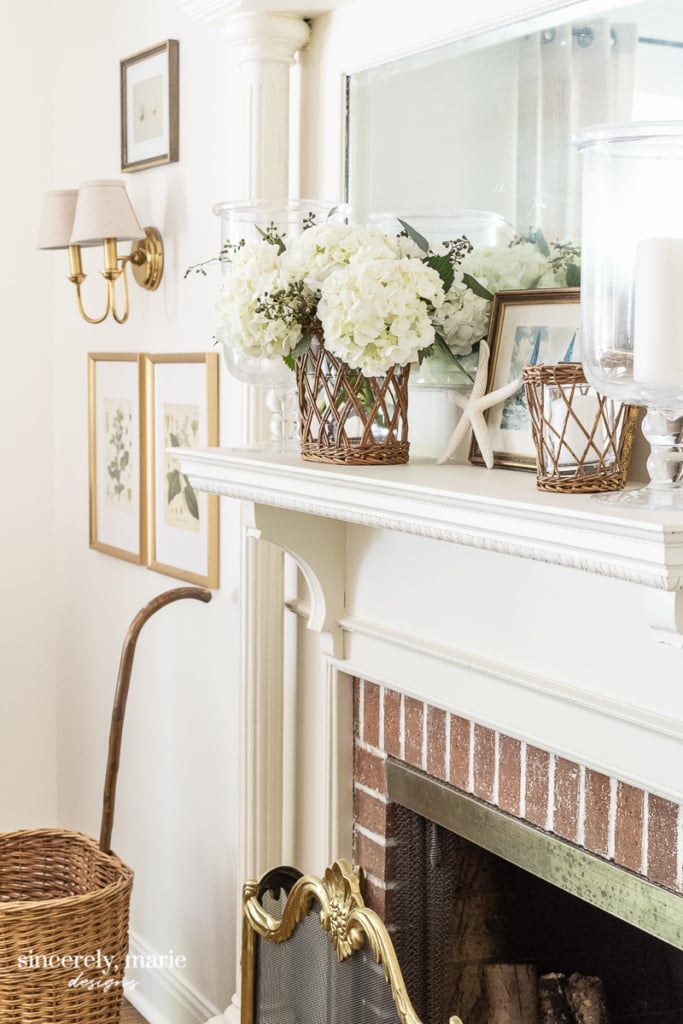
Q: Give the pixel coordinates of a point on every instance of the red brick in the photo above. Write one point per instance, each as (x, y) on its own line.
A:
(370, 770)
(597, 801)
(484, 762)
(662, 842)
(460, 753)
(566, 802)
(436, 743)
(371, 709)
(370, 812)
(509, 774)
(537, 782)
(375, 897)
(372, 857)
(392, 722)
(628, 832)
(414, 731)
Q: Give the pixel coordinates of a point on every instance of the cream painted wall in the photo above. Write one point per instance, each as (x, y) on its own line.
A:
(28, 792)
(66, 608)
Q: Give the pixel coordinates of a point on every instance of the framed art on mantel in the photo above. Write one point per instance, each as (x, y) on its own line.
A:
(117, 455)
(149, 107)
(527, 326)
(182, 411)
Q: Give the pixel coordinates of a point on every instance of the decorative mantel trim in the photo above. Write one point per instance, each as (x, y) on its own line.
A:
(499, 511)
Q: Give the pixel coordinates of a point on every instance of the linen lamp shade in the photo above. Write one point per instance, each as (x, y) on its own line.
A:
(104, 211)
(56, 224)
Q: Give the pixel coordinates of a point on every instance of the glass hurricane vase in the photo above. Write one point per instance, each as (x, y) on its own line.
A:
(248, 220)
(632, 287)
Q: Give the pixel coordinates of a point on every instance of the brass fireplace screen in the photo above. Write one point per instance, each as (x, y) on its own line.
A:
(313, 953)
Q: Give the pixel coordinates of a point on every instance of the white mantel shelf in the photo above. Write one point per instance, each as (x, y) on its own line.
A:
(498, 510)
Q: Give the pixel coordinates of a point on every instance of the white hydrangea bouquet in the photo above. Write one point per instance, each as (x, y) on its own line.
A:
(346, 299)
(378, 300)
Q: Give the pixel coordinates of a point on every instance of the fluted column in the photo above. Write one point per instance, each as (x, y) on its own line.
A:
(262, 48)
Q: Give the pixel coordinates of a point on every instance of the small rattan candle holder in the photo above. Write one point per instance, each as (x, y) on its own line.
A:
(583, 439)
(348, 418)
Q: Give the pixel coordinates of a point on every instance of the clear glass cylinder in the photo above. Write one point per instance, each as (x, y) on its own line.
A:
(481, 227)
(632, 261)
(632, 286)
(249, 220)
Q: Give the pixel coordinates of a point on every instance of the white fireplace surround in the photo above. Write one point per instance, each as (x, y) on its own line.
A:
(551, 619)
(413, 571)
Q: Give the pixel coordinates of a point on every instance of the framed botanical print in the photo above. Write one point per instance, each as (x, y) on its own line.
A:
(149, 107)
(182, 412)
(117, 475)
(527, 327)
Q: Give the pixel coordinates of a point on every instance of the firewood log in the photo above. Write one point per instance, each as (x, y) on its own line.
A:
(512, 991)
(586, 996)
(552, 999)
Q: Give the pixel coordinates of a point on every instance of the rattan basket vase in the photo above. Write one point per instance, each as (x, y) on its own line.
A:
(64, 898)
(583, 439)
(348, 418)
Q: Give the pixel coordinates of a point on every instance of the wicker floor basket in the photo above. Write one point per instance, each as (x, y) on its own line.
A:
(350, 419)
(64, 899)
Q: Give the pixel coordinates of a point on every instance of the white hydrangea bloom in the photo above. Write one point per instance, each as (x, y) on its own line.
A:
(254, 271)
(375, 312)
(319, 251)
(463, 318)
(517, 266)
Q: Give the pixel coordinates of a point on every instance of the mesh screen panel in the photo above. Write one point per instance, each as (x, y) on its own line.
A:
(424, 912)
(301, 982)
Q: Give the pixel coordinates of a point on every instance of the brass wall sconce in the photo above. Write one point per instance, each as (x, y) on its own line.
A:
(100, 213)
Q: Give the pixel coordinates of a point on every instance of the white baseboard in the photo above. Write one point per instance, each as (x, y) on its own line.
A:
(163, 995)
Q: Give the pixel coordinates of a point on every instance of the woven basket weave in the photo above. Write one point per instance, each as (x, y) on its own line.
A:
(348, 418)
(573, 456)
(63, 896)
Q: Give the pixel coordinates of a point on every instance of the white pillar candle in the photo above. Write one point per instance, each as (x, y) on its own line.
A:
(658, 313)
(586, 409)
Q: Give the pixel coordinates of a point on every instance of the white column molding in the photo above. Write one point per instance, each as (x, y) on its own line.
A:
(262, 47)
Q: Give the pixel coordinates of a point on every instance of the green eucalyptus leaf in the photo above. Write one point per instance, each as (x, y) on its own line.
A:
(478, 289)
(419, 239)
(191, 501)
(573, 275)
(174, 486)
(301, 348)
(289, 362)
(444, 268)
(540, 242)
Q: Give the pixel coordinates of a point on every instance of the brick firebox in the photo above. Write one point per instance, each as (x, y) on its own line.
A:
(634, 829)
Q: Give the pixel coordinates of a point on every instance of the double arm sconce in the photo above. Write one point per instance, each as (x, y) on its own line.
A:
(100, 213)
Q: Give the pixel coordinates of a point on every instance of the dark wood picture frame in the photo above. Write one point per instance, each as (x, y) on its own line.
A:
(149, 107)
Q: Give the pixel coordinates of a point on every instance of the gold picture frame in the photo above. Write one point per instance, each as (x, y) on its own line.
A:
(149, 107)
(537, 325)
(117, 454)
(181, 411)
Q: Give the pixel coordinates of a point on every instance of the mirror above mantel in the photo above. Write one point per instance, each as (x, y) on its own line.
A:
(485, 122)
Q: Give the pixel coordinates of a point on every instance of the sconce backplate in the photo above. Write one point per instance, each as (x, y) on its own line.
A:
(147, 259)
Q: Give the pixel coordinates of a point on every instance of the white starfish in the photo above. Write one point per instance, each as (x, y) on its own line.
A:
(473, 407)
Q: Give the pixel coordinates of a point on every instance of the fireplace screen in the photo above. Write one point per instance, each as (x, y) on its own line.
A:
(314, 954)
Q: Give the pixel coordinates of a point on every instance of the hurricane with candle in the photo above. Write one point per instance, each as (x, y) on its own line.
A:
(632, 287)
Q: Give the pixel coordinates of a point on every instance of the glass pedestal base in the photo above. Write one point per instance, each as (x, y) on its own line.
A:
(663, 430)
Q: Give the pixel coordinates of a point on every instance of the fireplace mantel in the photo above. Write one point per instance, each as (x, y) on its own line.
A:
(498, 511)
(468, 590)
